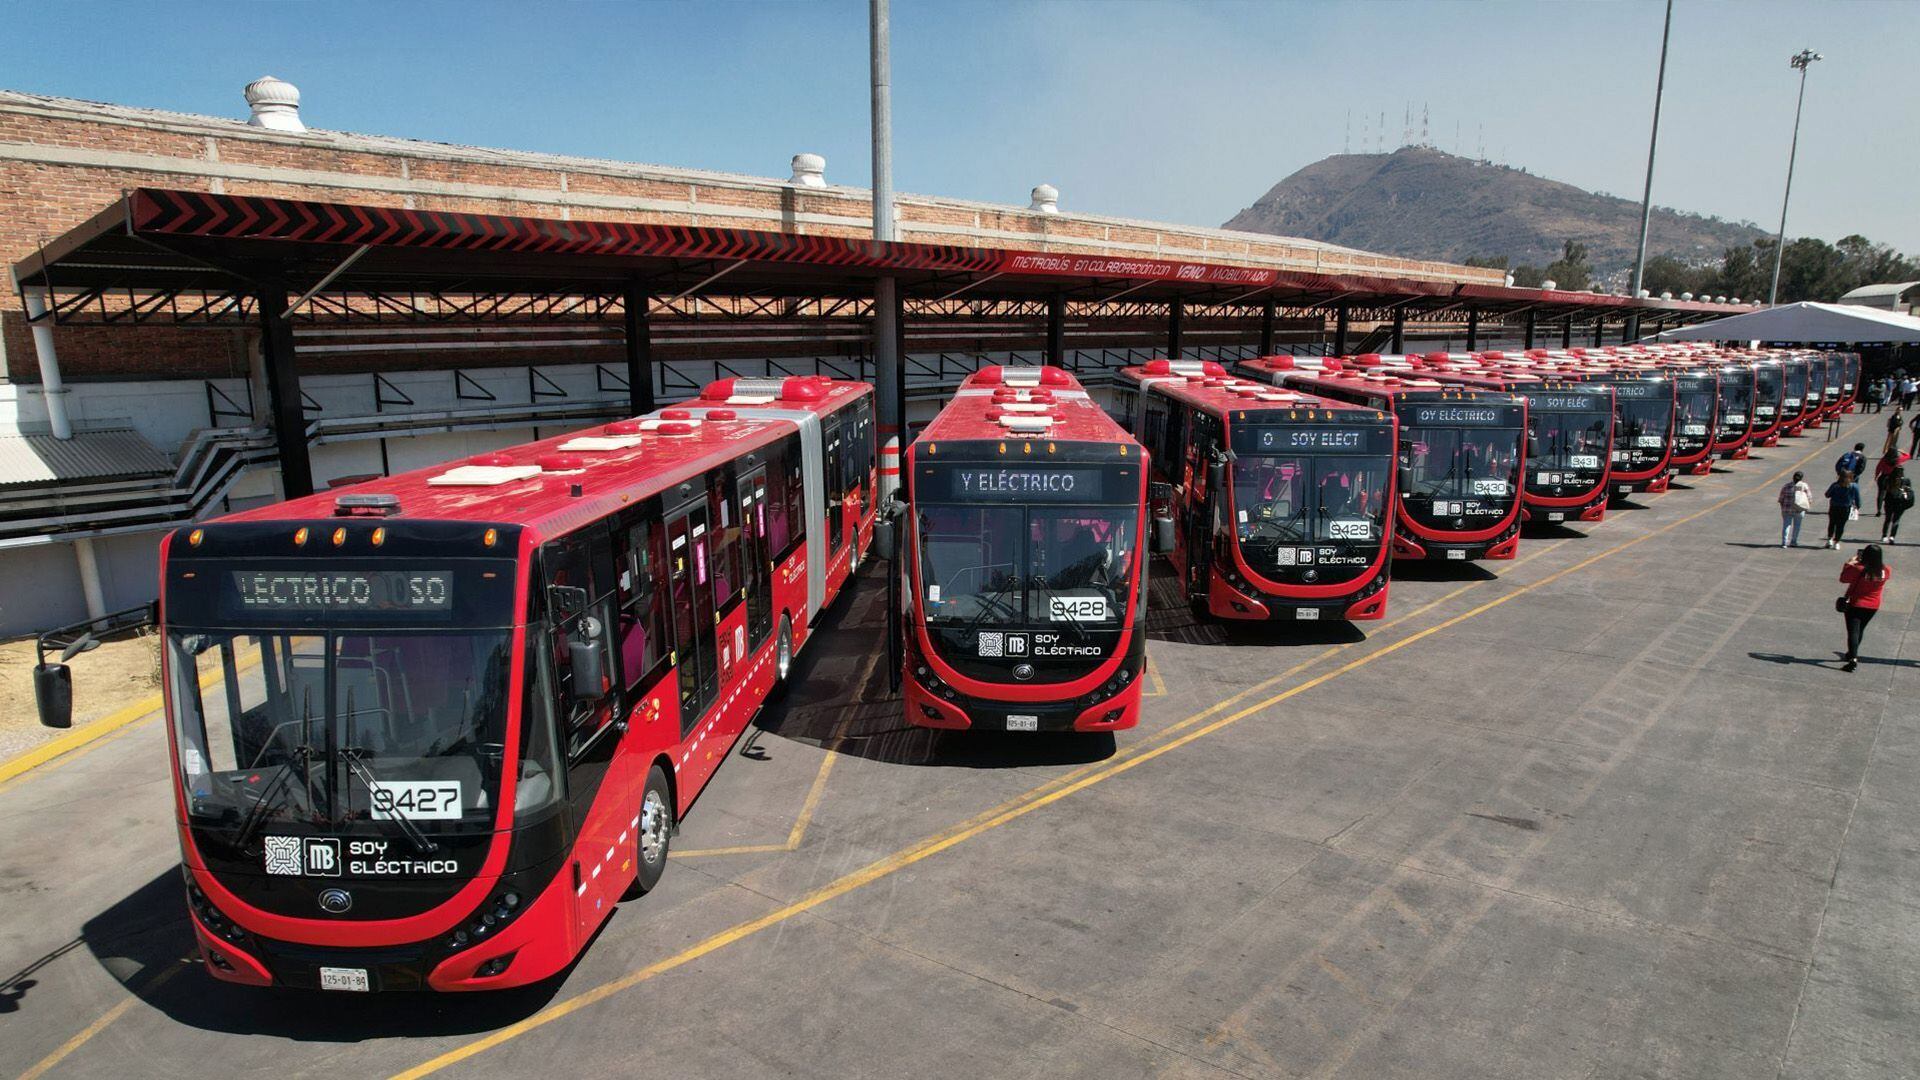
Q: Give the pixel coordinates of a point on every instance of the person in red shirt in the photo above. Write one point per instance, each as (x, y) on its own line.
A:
(1865, 575)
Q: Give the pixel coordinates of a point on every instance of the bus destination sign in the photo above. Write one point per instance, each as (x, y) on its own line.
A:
(344, 590)
(1310, 439)
(993, 483)
(1455, 415)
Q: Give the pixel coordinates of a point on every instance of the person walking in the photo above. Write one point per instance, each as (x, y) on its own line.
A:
(1889, 463)
(1894, 424)
(1899, 501)
(1853, 461)
(1909, 389)
(1913, 425)
(1876, 396)
(1864, 575)
(1796, 498)
(1843, 503)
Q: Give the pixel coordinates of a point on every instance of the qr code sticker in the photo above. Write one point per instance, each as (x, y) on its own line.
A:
(992, 643)
(283, 855)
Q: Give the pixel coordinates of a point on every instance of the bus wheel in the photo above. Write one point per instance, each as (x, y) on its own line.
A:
(783, 654)
(853, 561)
(654, 835)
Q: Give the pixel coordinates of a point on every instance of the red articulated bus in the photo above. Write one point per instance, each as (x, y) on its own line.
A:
(1769, 400)
(1797, 405)
(1569, 438)
(1739, 386)
(1278, 501)
(1023, 575)
(1696, 418)
(1459, 460)
(429, 729)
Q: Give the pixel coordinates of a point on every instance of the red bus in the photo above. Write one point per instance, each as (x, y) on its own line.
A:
(1460, 453)
(1849, 380)
(1696, 418)
(1770, 410)
(1023, 572)
(1277, 500)
(429, 729)
(1797, 404)
(1738, 387)
(1642, 426)
(1569, 439)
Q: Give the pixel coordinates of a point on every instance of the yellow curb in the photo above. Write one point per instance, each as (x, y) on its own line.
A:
(79, 737)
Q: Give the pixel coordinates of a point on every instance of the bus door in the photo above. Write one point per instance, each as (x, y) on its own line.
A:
(834, 444)
(755, 560)
(1203, 520)
(691, 592)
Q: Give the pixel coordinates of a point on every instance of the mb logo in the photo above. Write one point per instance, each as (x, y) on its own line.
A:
(296, 856)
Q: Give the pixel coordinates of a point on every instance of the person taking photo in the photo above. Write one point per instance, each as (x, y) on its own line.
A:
(1864, 575)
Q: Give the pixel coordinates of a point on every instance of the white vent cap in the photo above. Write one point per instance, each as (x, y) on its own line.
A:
(275, 104)
(809, 170)
(1046, 200)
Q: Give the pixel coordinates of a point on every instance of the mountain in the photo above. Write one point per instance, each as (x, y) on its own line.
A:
(1420, 202)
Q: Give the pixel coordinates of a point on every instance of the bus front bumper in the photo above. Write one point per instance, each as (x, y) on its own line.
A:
(964, 712)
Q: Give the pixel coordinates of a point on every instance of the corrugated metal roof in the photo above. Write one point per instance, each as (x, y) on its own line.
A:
(1885, 294)
(89, 455)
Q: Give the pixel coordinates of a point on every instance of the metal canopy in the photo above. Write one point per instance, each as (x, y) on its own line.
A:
(196, 258)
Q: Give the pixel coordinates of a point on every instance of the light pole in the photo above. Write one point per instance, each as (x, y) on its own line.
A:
(1801, 61)
(1646, 196)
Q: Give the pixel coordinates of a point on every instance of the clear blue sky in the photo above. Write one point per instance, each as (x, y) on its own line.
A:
(1169, 111)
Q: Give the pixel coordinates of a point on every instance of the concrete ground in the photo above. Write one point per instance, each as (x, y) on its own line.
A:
(1610, 810)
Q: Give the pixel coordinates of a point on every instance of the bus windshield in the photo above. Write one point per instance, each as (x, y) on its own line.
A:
(1039, 565)
(1463, 462)
(1645, 422)
(1570, 441)
(1309, 498)
(367, 731)
(1696, 413)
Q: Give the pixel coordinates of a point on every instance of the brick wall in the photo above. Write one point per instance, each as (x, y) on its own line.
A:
(63, 161)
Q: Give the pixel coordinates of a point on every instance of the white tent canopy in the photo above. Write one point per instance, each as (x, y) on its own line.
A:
(1804, 322)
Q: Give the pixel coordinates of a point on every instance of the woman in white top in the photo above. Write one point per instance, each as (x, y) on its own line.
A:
(1796, 498)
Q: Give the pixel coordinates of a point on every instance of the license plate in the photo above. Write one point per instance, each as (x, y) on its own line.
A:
(344, 979)
(1555, 515)
(1023, 723)
(1306, 613)
(1625, 489)
(1457, 553)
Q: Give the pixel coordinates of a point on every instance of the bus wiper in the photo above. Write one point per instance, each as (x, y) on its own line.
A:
(355, 756)
(993, 600)
(303, 753)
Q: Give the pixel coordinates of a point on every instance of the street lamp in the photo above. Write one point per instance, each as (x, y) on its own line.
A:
(1801, 61)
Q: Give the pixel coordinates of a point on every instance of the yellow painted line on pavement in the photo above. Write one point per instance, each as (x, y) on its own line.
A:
(79, 737)
(39, 1069)
(1025, 804)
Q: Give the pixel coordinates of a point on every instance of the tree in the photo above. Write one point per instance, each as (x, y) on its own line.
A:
(1487, 262)
(1571, 270)
(1665, 273)
(1528, 277)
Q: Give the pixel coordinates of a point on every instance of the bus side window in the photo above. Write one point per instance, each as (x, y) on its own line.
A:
(796, 489)
(583, 560)
(723, 503)
(779, 531)
(642, 622)
(836, 485)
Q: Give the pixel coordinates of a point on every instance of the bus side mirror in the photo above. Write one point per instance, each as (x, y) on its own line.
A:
(589, 669)
(886, 530)
(53, 693)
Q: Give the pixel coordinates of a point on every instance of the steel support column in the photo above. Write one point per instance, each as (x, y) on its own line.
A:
(1630, 331)
(639, 333)
(1057, 330)
(1532, 321)
(1599, 331)
(1399, 330)
(1566, 332)
(1267, 314)
(1473, 329)
(887, 382)
(283, 392)
(1341, 322)
(1176, 314)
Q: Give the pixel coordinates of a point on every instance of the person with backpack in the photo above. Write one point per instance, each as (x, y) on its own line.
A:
(1843, 504)
(1796, 498)
(1853, 461)
(1865, 575)
(1899, 500)
(1890, 462)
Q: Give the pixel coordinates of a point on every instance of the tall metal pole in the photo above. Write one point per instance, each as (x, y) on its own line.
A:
(1646, 197)
(886, 307)
(1801, 60)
